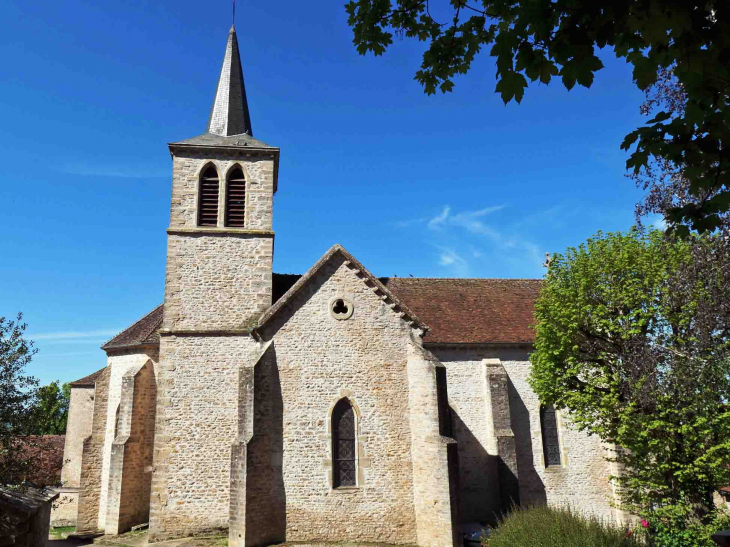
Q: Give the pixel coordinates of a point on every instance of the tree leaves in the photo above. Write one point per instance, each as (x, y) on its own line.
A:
(538, 40)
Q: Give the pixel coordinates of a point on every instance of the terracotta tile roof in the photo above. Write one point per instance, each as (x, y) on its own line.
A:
(471, 311)
(143, 331)
(87, 381)
(457, 311)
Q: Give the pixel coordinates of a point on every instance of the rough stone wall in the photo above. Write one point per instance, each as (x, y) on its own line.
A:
(196, 425)
(583, 479)
(217, 281)
(92, 459)
(205, 287)
(470, 402)
(128, 501)
(321, 359)
(65, 508)
(434, 484)
(258, 501)
(80, 408)
(119, 363)
(258, 170)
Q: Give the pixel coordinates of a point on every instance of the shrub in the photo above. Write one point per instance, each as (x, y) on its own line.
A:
(676, 526)
(544, 526)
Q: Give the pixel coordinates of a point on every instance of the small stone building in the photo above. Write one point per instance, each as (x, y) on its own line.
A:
(325, 407)
(25, 515)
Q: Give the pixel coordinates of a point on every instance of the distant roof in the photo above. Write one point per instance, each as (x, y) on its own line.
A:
(471, 311)
(142, 332)
(87, 381)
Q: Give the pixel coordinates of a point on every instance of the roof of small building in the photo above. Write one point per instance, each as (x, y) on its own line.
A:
(87, 381)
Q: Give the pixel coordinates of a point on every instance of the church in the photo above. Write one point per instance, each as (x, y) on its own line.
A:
(325, 407)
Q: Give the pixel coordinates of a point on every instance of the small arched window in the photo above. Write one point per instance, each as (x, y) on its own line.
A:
(236, 198)
(344, 445)
(550, 437)
(208, 197)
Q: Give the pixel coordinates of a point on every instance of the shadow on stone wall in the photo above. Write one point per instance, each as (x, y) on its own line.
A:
(278, 493)
(479, 482)
(532, 488)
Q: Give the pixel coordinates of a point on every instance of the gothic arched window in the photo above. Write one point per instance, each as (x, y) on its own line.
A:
(208, 197)
(236, 198)
(550, 437)
(344, 445)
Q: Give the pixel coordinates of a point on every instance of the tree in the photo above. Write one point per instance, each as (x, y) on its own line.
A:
(667, 188)
(50, 413)
(541, 39)
(633, 339)
(17, 400)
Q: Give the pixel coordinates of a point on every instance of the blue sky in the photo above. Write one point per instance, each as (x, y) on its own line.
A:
(455, 185)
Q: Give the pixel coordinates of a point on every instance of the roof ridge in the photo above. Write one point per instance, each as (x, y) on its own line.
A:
(130, 326)
(304, 279)
(468, 278)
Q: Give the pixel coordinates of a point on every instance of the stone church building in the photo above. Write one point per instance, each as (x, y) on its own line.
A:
(324, 407)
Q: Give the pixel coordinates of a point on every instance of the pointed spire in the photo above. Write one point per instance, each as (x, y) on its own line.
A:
(229, 114)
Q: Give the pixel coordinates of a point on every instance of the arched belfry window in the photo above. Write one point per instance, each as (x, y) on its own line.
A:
(208, 197)
(344, 445)
(236, 198)
(550, 437)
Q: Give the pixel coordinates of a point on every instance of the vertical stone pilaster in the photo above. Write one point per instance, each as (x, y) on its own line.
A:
(128, 498)
(92, 459)
(435, 460)
(498, 385)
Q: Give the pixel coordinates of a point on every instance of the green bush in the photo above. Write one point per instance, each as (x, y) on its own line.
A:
(676, 526)
(545, 526)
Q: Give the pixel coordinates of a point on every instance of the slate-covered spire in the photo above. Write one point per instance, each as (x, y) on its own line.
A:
(229, 114)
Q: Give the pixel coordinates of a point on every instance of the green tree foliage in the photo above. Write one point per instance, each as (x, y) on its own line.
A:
(538, 40)
(17, 399)
(51, 410)
(633, 338)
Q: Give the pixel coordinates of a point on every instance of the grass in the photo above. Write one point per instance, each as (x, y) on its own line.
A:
(62, 531)
(545, 526)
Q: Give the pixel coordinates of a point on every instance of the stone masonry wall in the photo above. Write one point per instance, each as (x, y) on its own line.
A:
(81, 406)
(196, 425)
(259, 173)
(92, 459)
(470, 402)
(217, 281)
(434, 486)
(128, 502)
(119, 363)
(582, 481)
(219, 278)
(258, 501)
(321, 359)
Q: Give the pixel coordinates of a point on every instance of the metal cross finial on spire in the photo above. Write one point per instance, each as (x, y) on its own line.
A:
(233, 19)
(548, 261)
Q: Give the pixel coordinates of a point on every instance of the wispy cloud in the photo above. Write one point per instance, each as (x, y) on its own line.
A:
(454, 261)
(73, 335)
(468, 220)
(114, 171)
(407, 223)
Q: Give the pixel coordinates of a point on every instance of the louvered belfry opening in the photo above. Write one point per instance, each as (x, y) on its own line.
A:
(208, 198)
(344, 466)
(236, 198)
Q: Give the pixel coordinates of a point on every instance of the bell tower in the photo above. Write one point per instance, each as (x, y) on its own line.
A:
(220, 249)
(220, 240)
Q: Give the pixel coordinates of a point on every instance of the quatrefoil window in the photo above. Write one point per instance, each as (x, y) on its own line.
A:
(341, 308)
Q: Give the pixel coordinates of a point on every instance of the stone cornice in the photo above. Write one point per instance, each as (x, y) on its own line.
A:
(219, 231)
